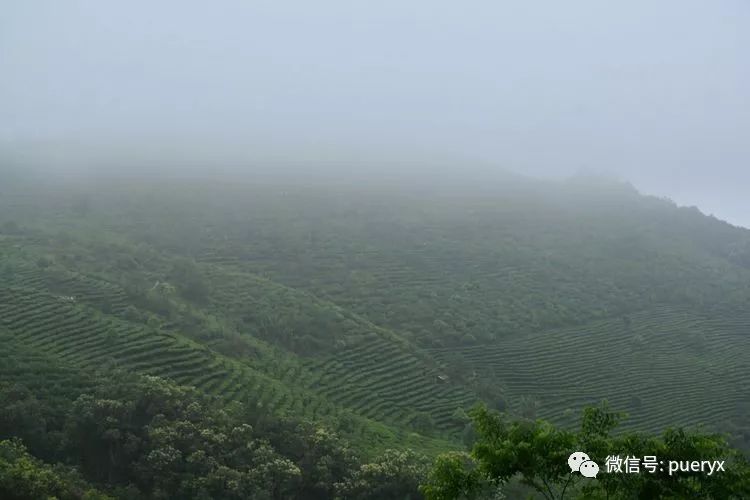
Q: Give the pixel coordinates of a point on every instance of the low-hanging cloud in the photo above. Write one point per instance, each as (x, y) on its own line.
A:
(656, 92)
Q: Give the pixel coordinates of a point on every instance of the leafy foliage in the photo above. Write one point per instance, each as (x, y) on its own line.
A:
(23, 477)
(395, 474)
(536, 453)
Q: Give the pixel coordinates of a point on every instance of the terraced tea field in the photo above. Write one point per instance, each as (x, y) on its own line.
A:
(388, 315)
(41, 374)
(78, 337)
(664, 367)
(382, 380)
(71, 333)
(373, 371)
(101, 294)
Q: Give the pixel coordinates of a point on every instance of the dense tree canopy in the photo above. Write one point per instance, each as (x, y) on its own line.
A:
(145, 437)
(536, 453)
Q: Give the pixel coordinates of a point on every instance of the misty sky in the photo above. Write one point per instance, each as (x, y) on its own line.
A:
(657, 92)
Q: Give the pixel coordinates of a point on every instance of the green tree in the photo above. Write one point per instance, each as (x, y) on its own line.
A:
(23, 477)
(536, 452)
(22, 415)
(455, 476)
(394, 475)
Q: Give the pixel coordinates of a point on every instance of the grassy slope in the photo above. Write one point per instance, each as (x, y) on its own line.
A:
(666, 365)
(556, 297)
(37, 315)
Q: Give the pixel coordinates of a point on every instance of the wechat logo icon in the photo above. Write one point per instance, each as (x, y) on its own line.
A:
(580, 462)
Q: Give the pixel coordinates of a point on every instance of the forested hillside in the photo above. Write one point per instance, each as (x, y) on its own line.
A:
(184, 338)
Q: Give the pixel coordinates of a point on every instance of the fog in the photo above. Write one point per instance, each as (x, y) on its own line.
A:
(657, 93)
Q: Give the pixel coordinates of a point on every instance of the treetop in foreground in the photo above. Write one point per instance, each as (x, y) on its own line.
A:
(535, 454)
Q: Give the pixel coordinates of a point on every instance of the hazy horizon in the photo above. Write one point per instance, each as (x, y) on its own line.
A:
(655, 94)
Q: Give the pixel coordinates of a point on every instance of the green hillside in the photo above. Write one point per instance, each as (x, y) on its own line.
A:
(381, 313)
